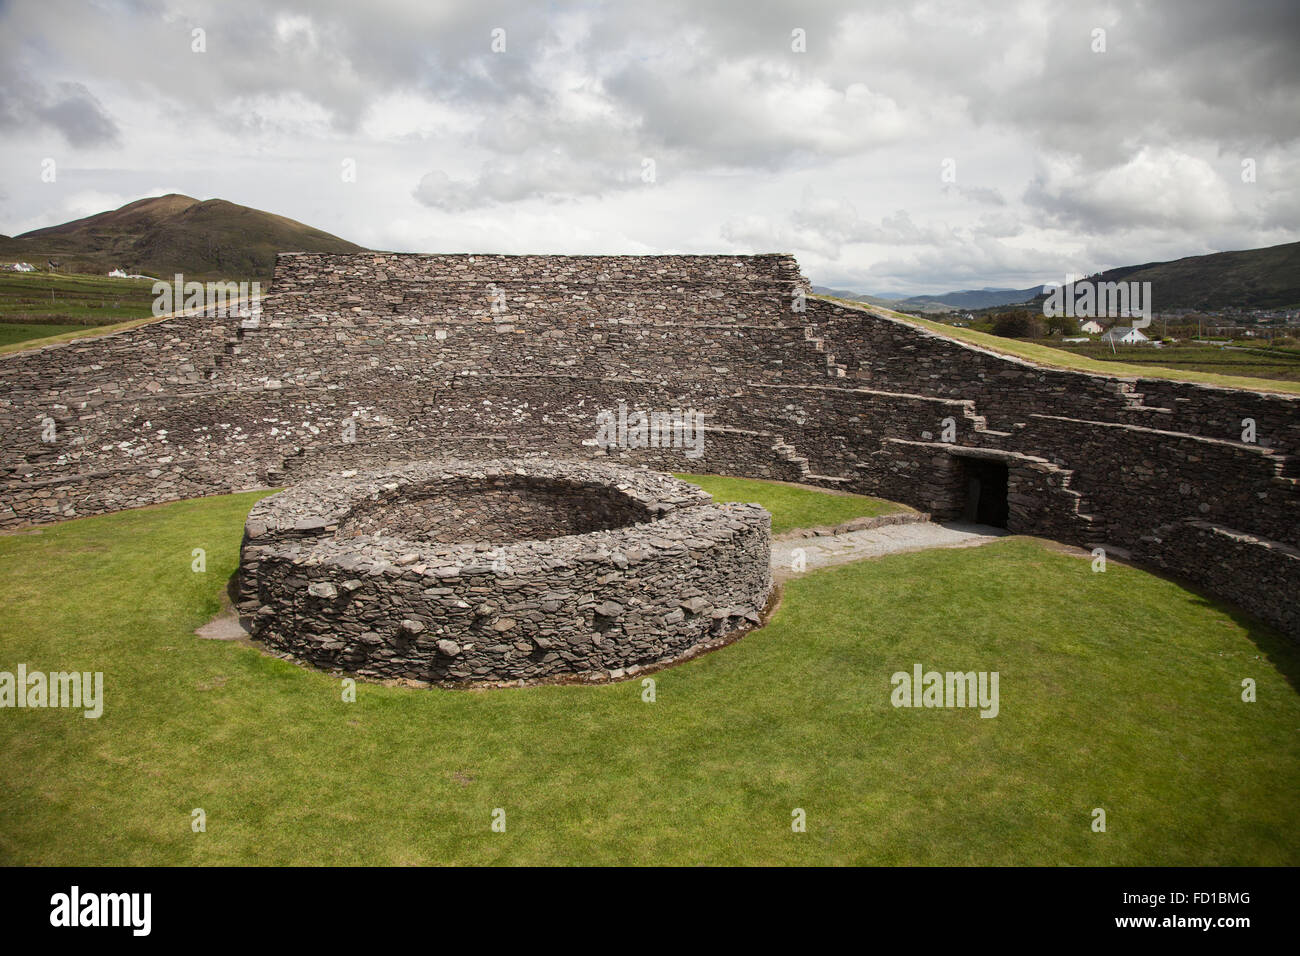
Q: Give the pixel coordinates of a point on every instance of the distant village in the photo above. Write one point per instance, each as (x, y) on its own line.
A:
(53, 266)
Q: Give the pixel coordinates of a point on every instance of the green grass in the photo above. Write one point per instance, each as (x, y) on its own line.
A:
(71, 299)
(794, 507)
(1061, 358)
(1118, 690)
(79, 332)
(12, 333)
(1283, 364)
(41, 308)
(83, 306)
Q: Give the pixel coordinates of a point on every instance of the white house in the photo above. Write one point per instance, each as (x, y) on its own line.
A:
(1092, 327)
(117, 274)
(1125, 335)
(22, 267)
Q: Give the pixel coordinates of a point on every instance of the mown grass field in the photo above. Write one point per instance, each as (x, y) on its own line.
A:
(1118, 690)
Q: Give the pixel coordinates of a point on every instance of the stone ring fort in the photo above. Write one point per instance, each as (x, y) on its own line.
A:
(497, 571)
(369, 362)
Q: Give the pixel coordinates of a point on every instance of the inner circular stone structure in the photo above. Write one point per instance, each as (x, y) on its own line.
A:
(492, 571)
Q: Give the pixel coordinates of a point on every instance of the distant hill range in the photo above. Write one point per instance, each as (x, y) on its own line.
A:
(967, 299)
(208, 239)
(1250, 279)
(880, 300)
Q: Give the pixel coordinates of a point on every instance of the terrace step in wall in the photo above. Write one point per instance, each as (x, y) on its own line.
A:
(368, 359)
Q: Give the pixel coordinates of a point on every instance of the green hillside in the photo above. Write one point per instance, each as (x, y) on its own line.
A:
(160, 236)
(1249, 279)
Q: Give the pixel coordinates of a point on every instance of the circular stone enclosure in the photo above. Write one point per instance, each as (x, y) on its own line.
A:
(466, 572)
(500, 510)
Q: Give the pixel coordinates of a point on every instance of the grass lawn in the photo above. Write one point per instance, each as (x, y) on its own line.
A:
(14, 332)
(794, 507)
(1118, 690)
(1068, 359)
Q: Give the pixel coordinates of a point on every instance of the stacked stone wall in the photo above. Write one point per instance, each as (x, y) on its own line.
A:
(666, 572)
(365, 360)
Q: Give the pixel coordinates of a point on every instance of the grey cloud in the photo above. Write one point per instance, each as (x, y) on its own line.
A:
(69, 108)
(1156, 187)
(717, 84)
(981, 194)
(1075, 149)
(73, 111)
(840, 222)
(534, 176)
(974, 263)
(1170, 72)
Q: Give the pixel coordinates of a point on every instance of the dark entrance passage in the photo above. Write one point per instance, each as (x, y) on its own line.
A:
(986, 491)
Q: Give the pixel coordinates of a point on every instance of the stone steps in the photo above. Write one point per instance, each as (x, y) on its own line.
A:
(1094, 521)
(1127, 392)
(788, 453)
(979, 423)
(833, 368)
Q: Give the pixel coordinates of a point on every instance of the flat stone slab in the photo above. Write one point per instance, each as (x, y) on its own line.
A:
(821, 552)
(224, 627)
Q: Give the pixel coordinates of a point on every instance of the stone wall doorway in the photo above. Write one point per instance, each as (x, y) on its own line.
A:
(985, 489)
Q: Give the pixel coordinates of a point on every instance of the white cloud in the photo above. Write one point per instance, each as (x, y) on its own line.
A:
(1159, 186)
(1066, 159)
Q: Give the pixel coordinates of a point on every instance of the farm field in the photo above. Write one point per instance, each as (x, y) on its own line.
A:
(1252, 360)
(47, 298)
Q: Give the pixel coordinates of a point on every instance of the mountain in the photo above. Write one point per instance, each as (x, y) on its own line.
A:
(1266, 278)
(879, 300)
(1248, 279)
(943, 302)
(160, 236)
(968, 299)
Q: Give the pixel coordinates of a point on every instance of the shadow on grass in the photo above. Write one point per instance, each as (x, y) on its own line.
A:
(1281, 651)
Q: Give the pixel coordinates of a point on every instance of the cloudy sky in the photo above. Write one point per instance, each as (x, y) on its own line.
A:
(894, 147)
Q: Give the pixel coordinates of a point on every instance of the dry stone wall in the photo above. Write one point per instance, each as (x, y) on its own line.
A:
(666, 571)
(364, 360)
